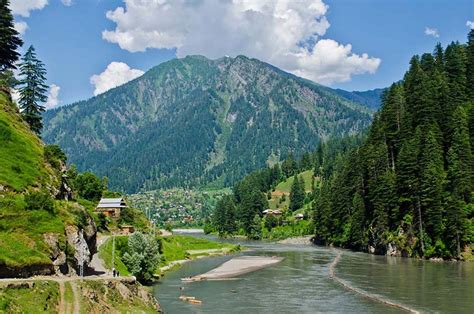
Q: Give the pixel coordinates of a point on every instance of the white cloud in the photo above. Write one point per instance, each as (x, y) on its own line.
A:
(21, 27)
(285, 33)
(53, 97)
(67, 3)
(470, 24)
(431, 32)
(23, 7)
(15, 95)
(116, 73)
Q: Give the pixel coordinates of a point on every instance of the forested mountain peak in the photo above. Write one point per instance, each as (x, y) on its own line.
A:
(195, 121)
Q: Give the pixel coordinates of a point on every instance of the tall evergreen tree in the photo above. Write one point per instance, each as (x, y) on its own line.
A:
(33, 89)
(297, 193)
(9, 39)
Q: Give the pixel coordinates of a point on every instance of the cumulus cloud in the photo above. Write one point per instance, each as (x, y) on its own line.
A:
(431, 32)
(67, 3)
(53, 97)
(116, 73)
(286, 33)
(470, 24)
(21, 27)
(24, 7)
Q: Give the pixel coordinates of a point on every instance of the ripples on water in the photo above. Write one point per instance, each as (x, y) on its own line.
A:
(301, 284)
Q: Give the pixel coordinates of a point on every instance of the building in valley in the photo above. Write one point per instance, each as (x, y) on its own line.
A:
(111, 207)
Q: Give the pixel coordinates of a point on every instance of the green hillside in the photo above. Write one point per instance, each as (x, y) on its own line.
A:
(24, 223)
(21, 152)
(198, 122)
(278, 201)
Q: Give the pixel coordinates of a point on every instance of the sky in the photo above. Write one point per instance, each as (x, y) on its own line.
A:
(90, 46)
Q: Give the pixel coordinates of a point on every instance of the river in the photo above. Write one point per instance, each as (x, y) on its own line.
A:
(301, 284)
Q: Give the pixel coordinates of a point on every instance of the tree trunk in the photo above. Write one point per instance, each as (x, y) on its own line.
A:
(420, 225)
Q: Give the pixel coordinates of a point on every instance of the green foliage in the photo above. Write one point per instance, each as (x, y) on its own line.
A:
(40, 200)
(89, 186)
(207, 129)
(32, 89)
(255, 232)
(225, 216)
(142, 256)
(54, 156)
(10, 40)
(134, 217)
(411, 182)
(297, 194)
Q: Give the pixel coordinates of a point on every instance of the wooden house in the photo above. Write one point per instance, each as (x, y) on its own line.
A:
(111, 207)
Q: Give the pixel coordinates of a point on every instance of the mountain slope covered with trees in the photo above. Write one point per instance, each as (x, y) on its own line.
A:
(408, 190)
(195, 121)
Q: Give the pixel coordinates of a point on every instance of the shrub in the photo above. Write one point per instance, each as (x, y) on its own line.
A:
(54, 155)
(89, 186)
(39, 201)
(142, 256)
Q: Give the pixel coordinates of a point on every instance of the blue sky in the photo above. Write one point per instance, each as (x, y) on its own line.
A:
(69, 39)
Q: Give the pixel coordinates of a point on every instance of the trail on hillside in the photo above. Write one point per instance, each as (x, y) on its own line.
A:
(62, 303)
(77, 299)
(363, 293)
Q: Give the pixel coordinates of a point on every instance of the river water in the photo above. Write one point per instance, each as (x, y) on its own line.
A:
(301, 284)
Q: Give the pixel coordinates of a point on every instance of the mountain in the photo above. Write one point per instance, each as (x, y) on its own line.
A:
(195, 121)
(370, 98)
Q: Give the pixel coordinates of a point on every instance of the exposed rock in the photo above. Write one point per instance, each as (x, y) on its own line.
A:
(371, 249)
(392, 249)
(82, 254)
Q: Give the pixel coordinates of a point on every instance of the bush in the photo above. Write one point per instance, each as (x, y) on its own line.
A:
(39, 201)
(54, 155)
(89, 186)
(142, 256)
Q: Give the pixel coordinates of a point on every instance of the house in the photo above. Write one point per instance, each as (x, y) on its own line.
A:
(111, 207)
(299, 216)
(271, 212)
(127, 229)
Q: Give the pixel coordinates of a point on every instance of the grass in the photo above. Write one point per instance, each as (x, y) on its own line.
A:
(284, 188)
(295, 229)
(175, 247)
(109, 300)
(43, 297)
(105, 253)
(22, 231)
(21, 154)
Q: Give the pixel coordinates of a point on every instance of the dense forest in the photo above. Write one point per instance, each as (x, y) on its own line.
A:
(198, 122)
(242, 211)
(408, 189)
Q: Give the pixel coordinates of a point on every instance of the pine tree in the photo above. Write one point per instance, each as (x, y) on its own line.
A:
(357, 231)
(470, 64)
(432, 178)
(460, 173)
(256, 228)
(33, 89)
(9, 40)
(297, 193)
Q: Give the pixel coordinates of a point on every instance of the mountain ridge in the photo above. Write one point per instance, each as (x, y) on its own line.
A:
(216, 120)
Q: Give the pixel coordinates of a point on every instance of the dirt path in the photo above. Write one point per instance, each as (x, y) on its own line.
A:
(96, 262)
(62, 302)
(77, 298)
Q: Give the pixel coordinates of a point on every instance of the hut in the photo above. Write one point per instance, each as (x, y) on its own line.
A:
(127, 229)
(111, 207)
(299, 216)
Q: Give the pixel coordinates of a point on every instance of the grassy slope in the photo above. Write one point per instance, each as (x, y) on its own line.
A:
(43, 297)
(284, 188)
(22, 167)
(21, 152)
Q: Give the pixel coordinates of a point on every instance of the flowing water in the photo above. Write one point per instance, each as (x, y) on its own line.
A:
(301, 283)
